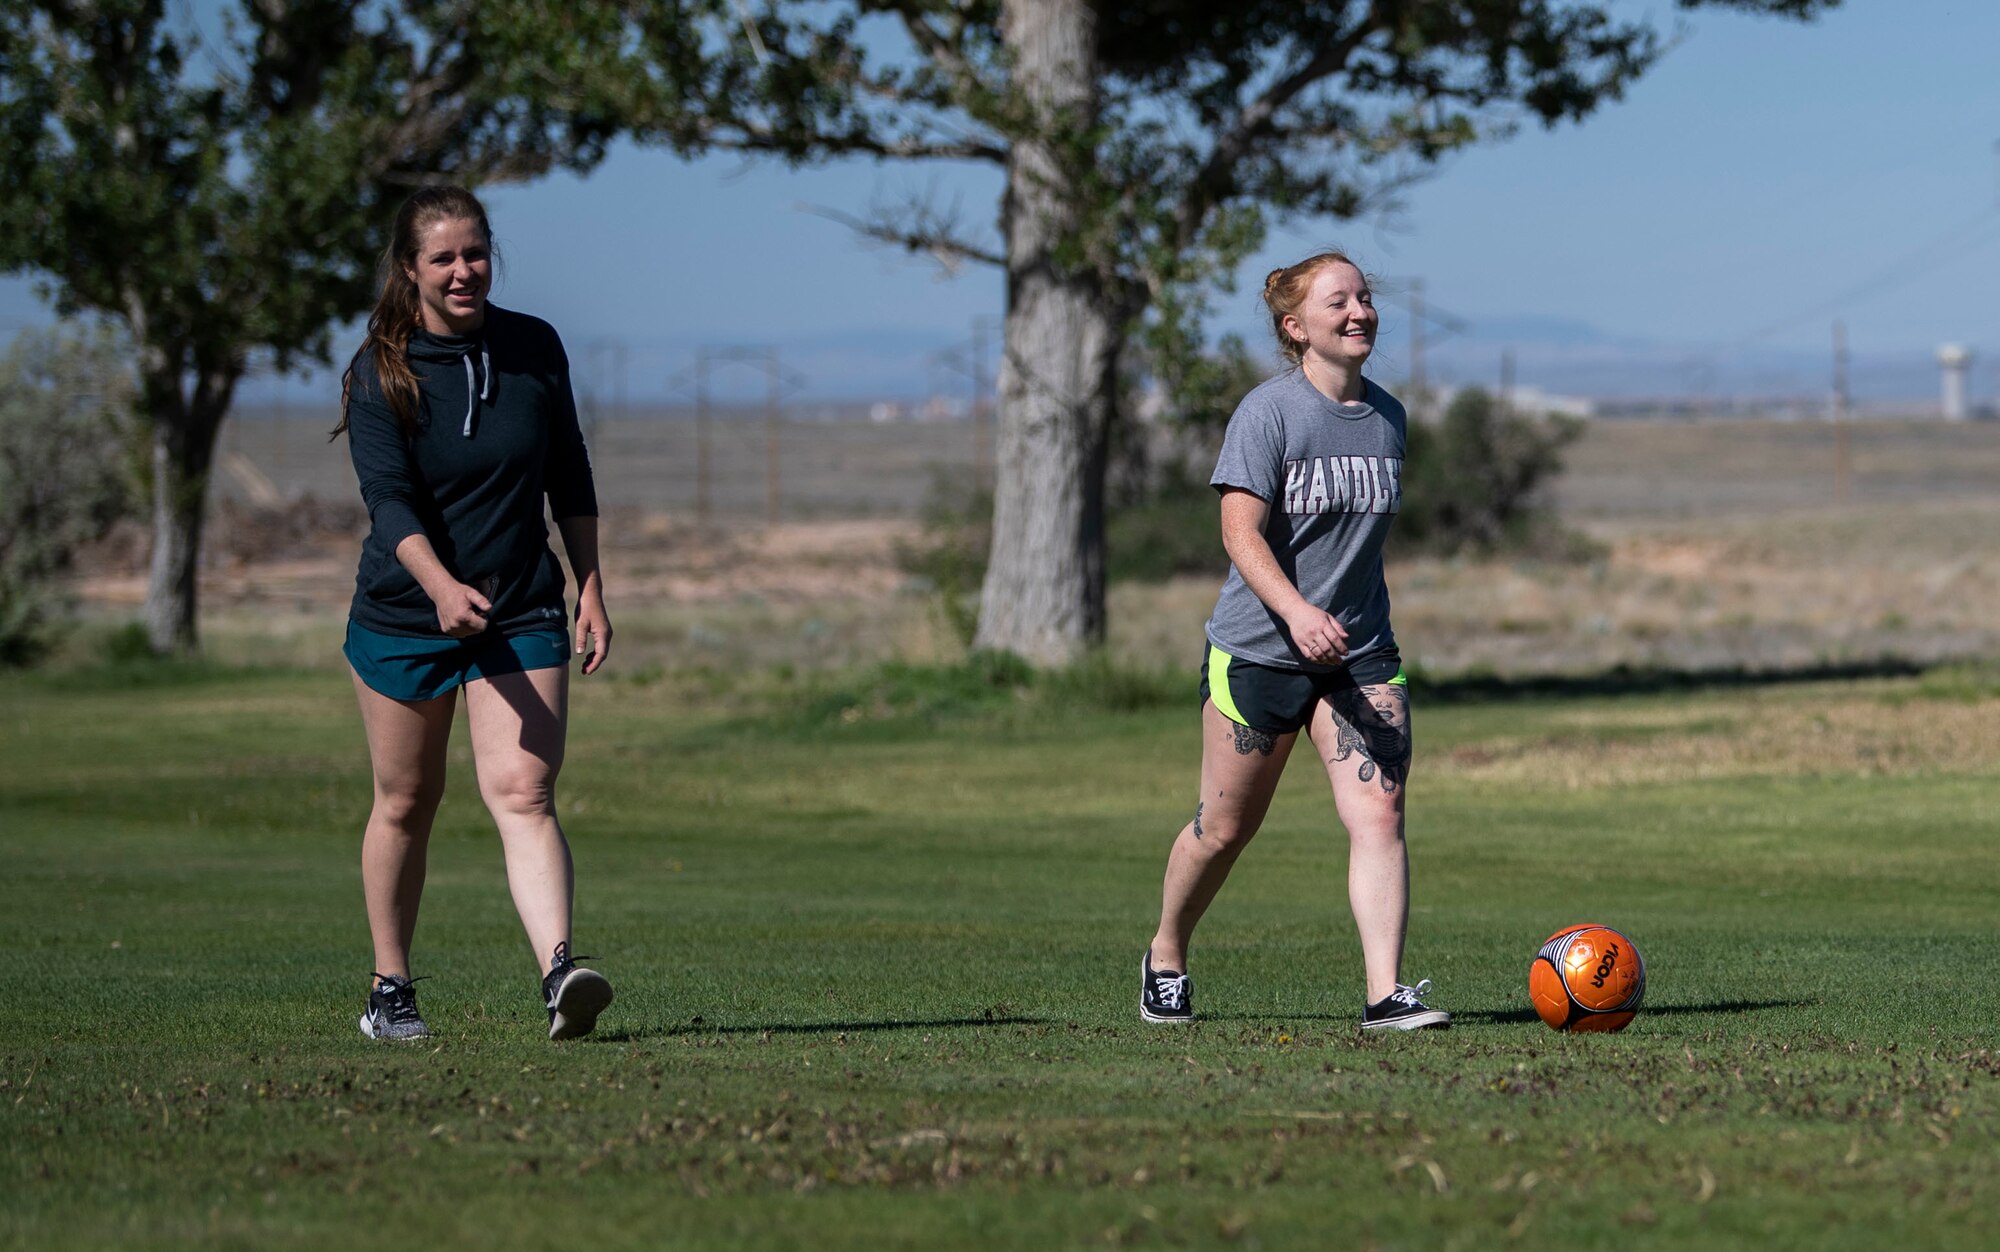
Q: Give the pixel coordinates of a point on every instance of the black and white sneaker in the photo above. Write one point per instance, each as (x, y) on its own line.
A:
(1404, 1009)
(574, 995)
(392, 1010)
(1165, 995)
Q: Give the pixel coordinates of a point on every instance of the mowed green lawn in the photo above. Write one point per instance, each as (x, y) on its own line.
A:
(877, 978)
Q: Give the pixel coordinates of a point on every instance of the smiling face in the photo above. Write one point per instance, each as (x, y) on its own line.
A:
(453, 271)
(1336, 321)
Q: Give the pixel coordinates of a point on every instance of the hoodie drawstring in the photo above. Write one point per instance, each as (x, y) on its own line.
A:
(477, 389)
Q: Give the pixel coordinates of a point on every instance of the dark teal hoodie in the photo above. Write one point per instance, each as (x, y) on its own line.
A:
(497, 433)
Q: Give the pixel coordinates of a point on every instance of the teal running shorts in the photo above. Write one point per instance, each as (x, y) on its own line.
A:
(406, 668)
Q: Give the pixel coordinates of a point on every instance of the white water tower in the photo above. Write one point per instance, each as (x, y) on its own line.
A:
(1955, 361)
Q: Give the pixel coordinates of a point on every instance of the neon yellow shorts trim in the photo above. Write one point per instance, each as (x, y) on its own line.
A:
(1265, 697)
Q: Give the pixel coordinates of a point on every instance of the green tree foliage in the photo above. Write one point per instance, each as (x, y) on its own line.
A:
(65, 430)
(1146, 146)
(1476, 483)
(227, 194)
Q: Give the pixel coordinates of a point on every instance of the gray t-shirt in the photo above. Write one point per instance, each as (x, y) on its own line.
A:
(1333, 476)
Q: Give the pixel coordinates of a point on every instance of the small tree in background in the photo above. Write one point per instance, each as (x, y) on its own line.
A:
(65, 434)
(950, 556)
(1477, 481)
(220, 197)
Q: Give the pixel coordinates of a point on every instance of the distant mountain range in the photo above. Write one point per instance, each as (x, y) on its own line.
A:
(1558, 356)
(1571, 357)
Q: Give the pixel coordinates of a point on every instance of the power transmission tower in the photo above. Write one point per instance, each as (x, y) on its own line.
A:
(969, 359)
(1841, 397)
(1418, 384)
(982, 407)
(776, 381)
(605, 356)
(701, 501)
(1424, 318)
(1843, 469)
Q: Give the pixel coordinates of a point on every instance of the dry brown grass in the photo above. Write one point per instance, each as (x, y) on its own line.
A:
(1918, 582)
(1883, 728)
(1724, 546)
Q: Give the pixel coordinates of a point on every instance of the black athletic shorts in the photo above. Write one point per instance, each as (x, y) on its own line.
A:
(1264, 697)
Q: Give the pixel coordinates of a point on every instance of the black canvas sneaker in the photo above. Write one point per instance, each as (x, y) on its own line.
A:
(1165, 995)
(1404, 1009)
(574, 996)
(392, 1010)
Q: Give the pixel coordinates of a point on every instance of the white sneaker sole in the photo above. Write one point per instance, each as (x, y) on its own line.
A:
(368, 1028)
(1415, 1021)
(582, 996)
(1155, 1018)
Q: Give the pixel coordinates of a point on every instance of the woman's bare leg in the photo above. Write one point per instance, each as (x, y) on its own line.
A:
(1363, 737)
(519, 723)
(1240, 768)
(406, 746)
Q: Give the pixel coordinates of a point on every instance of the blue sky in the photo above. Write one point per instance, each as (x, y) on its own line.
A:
(1764, 179)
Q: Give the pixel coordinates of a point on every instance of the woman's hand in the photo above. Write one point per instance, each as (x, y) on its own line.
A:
(1317, 634)
(461, 611)
(594, 623)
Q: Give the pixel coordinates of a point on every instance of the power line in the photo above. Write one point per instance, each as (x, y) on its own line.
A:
(1905, 269)
(1417, 306)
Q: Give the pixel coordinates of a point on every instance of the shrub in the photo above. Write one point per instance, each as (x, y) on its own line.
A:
(65, 405)
(950, 556)
(1476, 482)
(1175, 528)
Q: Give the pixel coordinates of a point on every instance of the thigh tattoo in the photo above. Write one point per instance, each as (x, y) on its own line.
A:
(1373, 723)
(1249, 739)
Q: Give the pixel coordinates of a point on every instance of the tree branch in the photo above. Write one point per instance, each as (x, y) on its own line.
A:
(751, 137)
(930, 233)
(1212, 184)
(949, 57)
(433, 107)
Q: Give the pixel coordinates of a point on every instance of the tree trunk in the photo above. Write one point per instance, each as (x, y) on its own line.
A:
(184, 430)
(1044, 591)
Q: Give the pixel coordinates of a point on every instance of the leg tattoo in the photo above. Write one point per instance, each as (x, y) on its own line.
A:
(1197, 818)
(1373, 723)
(1249, 739)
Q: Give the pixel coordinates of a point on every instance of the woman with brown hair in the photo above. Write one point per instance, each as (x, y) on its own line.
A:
(461, 422)
(1310, 477)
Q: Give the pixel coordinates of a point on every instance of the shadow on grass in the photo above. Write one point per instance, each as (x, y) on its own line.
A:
(1624, 680)
(699, 1027)
(1501, 1017)
(1510, 1017)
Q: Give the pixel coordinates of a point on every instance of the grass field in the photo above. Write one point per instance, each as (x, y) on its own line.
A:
(875, 947)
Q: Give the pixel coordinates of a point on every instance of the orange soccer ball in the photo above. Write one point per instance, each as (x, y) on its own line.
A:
(1587, 978)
